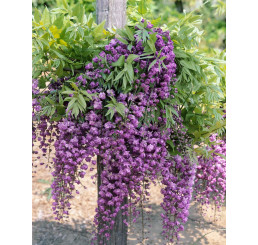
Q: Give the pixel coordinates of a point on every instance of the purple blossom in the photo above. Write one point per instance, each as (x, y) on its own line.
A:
(133, 150)
(102, 95)
(97, 105)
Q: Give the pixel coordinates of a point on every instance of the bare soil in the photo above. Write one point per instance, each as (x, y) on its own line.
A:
(78, 229)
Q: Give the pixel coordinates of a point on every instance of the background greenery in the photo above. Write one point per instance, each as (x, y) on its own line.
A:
(213, 12)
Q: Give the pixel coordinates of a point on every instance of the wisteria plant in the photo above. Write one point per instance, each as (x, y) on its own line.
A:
(124, 114)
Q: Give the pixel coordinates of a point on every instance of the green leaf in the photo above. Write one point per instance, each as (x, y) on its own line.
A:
(221, 155)
(59, 21)
(90, 20)
(82, 101)
(52, 111)
(174, 152)
(56, 118)
(160, 52)
(36, 73)
(68, 99)
(145, 35)
(130, 72)
(153, 37)
(65, 4)
(171, 143)
(75, 110)
(81, 31)
(37, 58)
(124, 83)
(40, 44)
(129, 47)
(50, 100)
(78, 11)
(44, 39)
(59, 55)
(74, 86)
(174, 111)
(162, 58)
(120, 61)
(110, 76)
(61, 101)
(152, 46)
(180, 53)
(120, 74)
(122, 33)
(46, 17)
(129, 33)
(87, 94)
(89, 40)
(97, 33)
(59, 70)
(156, 22)
(172, 149)
(131, 58)
(59, 11)
(37, 15)
(68, 92)
(42, 82)
(60, 110)
(142, 9)
(73, 34)
(111, 112)
(71, 103)
(113, 100)
(164, 65)
(151, 42)
(188, 65)
(120, 109)
(45, 110)
(109, 105)
(122, 40)
(152, 64)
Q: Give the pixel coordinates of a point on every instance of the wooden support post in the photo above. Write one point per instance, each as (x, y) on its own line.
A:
(113, 11)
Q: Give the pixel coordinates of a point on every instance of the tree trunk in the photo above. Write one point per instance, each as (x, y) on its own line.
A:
(114, 12)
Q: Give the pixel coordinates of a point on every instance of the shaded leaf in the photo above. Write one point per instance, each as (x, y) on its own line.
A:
(120, 61)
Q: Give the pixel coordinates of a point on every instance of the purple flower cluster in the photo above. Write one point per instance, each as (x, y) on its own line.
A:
(35, 89)
(132, 149)
(150, 86)
(178, 179)
(44, 131)
(75, 147)
(210, 182)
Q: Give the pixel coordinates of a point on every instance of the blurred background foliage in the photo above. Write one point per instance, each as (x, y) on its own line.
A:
(213, 14)
(89, 5)
(213, 17)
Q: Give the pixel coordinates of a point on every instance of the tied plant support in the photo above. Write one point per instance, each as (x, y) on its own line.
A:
(121, 109)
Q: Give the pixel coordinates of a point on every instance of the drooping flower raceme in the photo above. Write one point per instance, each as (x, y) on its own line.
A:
(210, 182)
